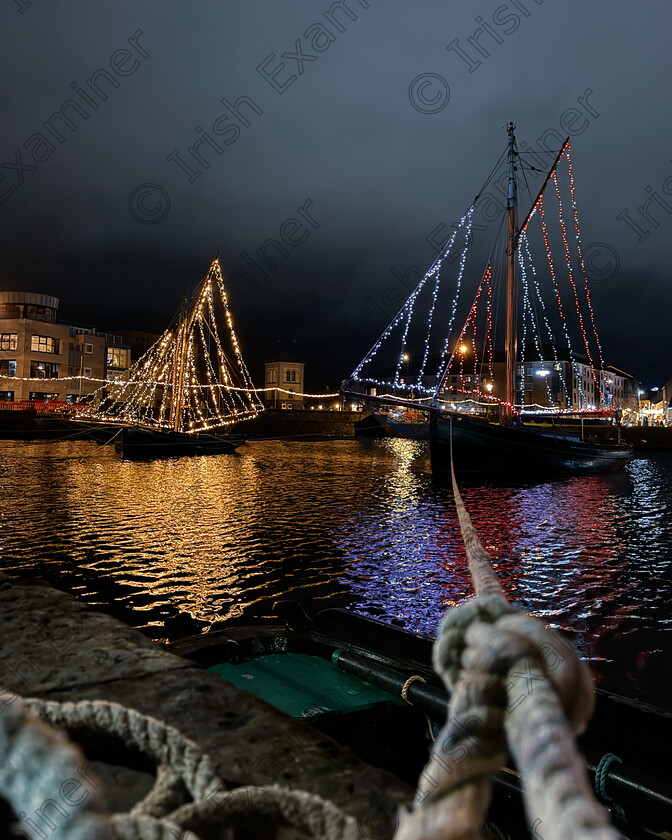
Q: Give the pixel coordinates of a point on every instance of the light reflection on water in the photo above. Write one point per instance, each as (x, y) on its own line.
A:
(180, 544)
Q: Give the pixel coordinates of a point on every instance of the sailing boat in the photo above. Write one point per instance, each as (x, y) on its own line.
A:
(188, 389)
(477, 401)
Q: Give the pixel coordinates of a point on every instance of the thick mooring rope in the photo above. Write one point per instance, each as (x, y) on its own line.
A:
(516, 685)
(35, 759)
(40, 778)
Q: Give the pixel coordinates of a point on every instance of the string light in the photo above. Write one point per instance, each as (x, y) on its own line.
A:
(446, 343)
(110, 382)
(178, 384)
(525, 244)
(46, 379)
(570, 273)
(529, 310)
(604, 390)
(466, 359)
(405, 314)
(558, 300)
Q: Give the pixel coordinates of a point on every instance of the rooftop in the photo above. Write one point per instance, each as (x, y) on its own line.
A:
(285, 357)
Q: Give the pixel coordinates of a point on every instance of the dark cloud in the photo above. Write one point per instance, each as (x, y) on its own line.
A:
(380, 171)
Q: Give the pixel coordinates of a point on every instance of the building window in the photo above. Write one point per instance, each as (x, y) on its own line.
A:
(88, 348)
(41, 396)
(6, 396)
(44, 344)
(43, 370)
(7, 367)
(289, 376)
(9, 341)
(117, 357)
(293, 376)
(272, 375)
(28, 311)
(87, 371)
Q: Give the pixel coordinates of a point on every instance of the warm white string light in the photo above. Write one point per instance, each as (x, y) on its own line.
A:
(111, 382)
(162, 391)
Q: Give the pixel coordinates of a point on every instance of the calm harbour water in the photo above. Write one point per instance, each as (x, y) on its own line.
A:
(177, 545)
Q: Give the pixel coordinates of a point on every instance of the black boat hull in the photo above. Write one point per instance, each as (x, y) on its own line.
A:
(395, 737)
(483, 447)
(137, 444)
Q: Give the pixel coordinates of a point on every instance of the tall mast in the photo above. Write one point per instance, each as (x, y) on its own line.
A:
(178, 374)
(511, 343)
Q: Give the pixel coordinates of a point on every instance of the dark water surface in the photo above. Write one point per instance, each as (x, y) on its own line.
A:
(180, 544)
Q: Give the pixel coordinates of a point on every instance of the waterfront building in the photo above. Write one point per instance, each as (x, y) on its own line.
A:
(558, 383)
(666, 406)
(656, 406)
(34, 348)
(287, 372)
(118, 357)
(564, 383)
(138, 340)
(44, 360)
(86, 368)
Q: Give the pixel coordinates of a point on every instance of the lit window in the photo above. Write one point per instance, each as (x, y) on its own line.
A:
(39, 396)
(44, 344)
(117, 357)
(8, 341)
(7, 367)
(43, 370)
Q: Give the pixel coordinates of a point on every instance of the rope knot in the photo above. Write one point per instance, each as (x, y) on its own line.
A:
(512, 683)
(511, 654)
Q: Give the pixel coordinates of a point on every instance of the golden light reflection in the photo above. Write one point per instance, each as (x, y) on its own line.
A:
(348, 523)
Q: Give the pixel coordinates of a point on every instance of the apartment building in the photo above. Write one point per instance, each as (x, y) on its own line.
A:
(42, 359)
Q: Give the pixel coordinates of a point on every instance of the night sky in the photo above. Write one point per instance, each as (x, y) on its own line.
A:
(380, 124)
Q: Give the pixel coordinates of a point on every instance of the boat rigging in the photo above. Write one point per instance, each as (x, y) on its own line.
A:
(552, 364)
(189, 387)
